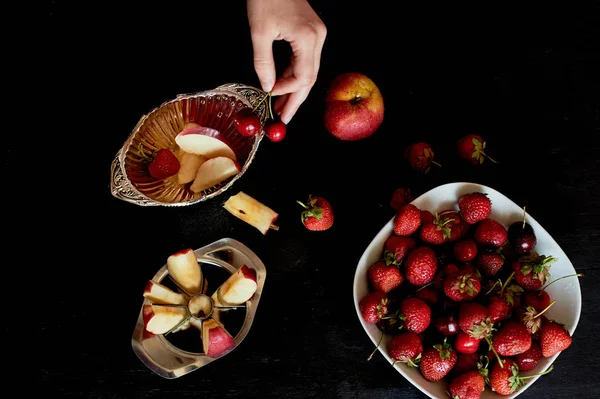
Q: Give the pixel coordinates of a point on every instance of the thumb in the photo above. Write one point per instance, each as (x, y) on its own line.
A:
(264, 65)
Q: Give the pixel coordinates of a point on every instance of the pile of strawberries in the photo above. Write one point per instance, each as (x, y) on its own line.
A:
(463, 298)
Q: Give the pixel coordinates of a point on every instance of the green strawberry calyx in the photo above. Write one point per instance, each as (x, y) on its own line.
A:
(311, 209)
(537, 264)
(444, 349)
(516, 381)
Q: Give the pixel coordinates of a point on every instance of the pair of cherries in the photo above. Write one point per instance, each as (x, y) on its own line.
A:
(248, 123)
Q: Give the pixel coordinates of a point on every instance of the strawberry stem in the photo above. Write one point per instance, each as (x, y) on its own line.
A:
(495, 353)
(540, 374)
(435, 163)
(426, 285)
(302, 204)
(560, 278)
(488, 157)
(376, 348)
(547, 307)
(506, 282)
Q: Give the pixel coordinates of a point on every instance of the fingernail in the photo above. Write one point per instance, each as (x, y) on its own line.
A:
(267, 86)
(286, 119)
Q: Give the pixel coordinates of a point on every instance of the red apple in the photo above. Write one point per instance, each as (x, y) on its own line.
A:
(353, 107)
(213, 172)
(216, 341)
(162, 319)
(204, 141)
(184, 269)
(158, 293)
(237, 289)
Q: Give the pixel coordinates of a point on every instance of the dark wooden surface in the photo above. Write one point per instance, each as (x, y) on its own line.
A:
(525, 77)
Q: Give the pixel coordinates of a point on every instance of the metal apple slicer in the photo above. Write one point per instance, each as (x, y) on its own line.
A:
(198, 307)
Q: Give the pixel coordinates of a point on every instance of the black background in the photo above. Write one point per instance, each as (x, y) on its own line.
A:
(524, 75)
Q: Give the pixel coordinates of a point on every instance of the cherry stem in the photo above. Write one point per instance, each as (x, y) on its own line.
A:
(426, 285)
(560, 278)
(524, 213)
(495, 353)
(261, 101)
(493, 286)
(435, 163)
(506, 282)
(376, 348)
(540, 374)
(547, 307)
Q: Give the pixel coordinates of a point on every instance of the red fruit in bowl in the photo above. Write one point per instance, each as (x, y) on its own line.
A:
(420, 156)
(400, 197)
(512, 339)
(384, 278)
(445, 226)
(539, 300)
(490, 232)
(474, 207)
(163, 164)
(407, 220)
(469, 385)
(396, 248)
(473, 319)
(466, 344)
(465, 250)
(420, 266)
(490, 261)
(532, 270)
(465, 362)
(416, 314)
(406, 348)
(429, 295)
(373, 306)
(246, 122)
(530, 358)
(554, 338)
(471, 148)
(437, 361)
(447, 325)
(463, 285)
(499, 309)
(275, 131)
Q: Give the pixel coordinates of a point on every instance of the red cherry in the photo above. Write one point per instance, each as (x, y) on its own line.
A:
(276, 131)
(246, 122)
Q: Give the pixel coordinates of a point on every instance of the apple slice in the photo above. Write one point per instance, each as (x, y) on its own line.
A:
(184, 269)
(214, 171)
(237, 289)
(251, 211)
(189, 165)
(158, 293)
(160, 319)
(216, 341)
(204, 141)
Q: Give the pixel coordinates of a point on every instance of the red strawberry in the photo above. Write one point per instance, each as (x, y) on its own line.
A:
(400, 197)
(530, 358)
(420, 156)
(463, 285)
(445, 226)
(469, 385)
(490, 262)
(426, 216)
(406, 348)
(420, 266)
(512, 339)
(317, 214)
(473, 319)
(465, 250)
(465, 362)
(465, 343)
(471, 148)
(490, 232)
(407, 220)
(539, 300)
(474, 207)
(531, 318)
(504, 300)
(554, 338)
(373, 306)
(532, 270)
(506, 380)
(384, 277)
(416, 314)
(430, 295)
(396, 248)
(437, 362)
(499, 309)
(163, 164)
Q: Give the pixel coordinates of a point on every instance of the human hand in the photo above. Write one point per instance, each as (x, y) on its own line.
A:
(297, 23)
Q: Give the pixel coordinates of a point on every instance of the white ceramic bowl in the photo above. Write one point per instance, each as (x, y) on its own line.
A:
(566, 310)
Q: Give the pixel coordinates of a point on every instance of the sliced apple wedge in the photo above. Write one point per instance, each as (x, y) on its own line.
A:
(184, 269)
(189, 165)
(251, 211)
(159, 319)
(216, 341)
(214, 171)
(204, 141)
(158, 293)
(237, 289)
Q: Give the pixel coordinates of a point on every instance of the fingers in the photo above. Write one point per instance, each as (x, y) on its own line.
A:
(289, 103)
(264, 64)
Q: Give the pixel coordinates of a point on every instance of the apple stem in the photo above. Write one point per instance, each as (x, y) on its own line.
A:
(547, 307)
(376, 348)
(560, 278)
(274, 227)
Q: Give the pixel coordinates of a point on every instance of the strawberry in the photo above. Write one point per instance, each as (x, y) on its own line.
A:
(162, 164)
(532, 270)
(415, 314)
(426, 216)
(463, 285)
(473, 319)
(512, 339)
(317, 214)
(406, 348)
(384, 277)
(445, 226)
(538, 300)
(395, 249)
(465, 343)
(530, 358)
(465, 250)
(490, 232)
(465, 362)
(506, 380)
(469, 385)
(530, 317)
(474, 207)
(420, 156)
(471, 148)
(400, 197)
(373, 306)
(554, 338)
(490, 261)
(437, 361)
(407, 220)
(499, 309)
(420, 266)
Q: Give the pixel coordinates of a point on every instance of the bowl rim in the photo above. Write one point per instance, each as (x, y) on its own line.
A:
(387, 229)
